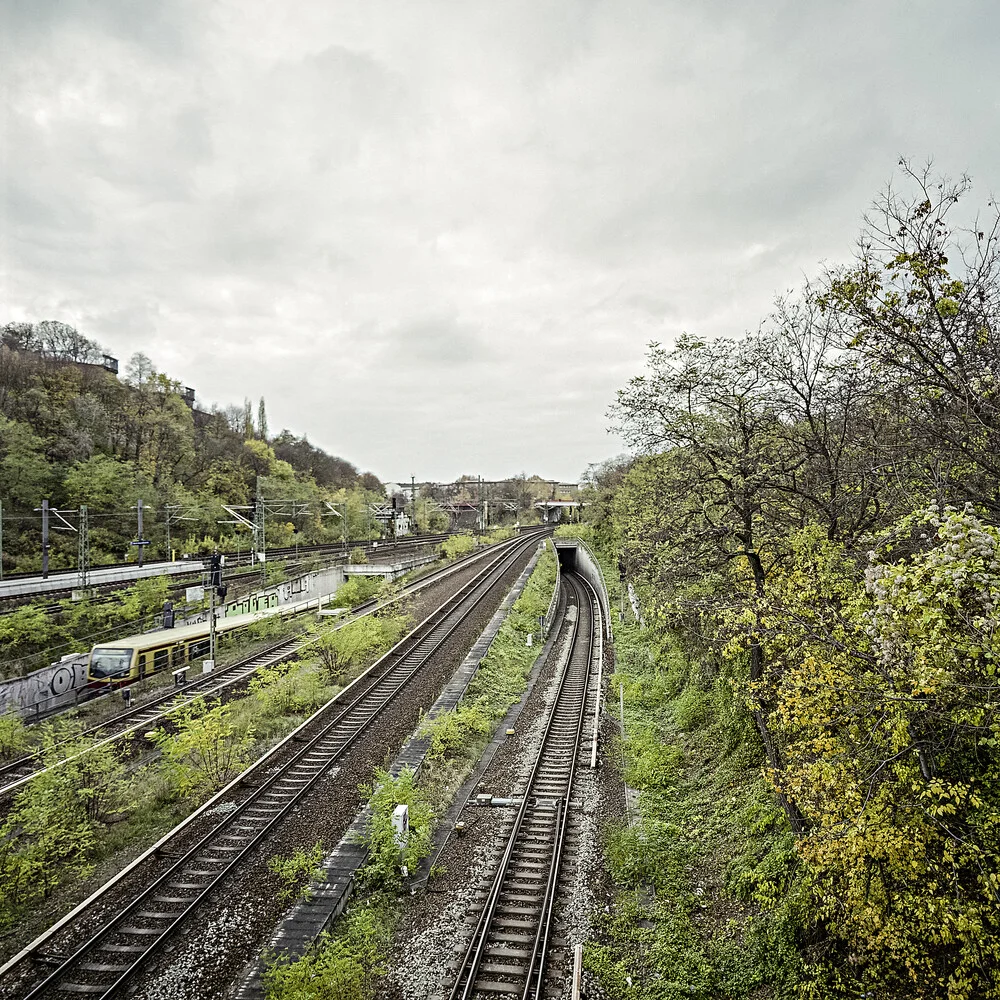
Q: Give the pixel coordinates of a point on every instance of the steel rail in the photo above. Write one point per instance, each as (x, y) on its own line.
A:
(522, 894)
(17, 773)
(112, 955)
(242, 557)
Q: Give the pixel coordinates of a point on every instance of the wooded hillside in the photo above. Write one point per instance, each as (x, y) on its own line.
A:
(73, 432)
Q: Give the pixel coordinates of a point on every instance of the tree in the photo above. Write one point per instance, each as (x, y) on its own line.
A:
(919, 306)
(25, 476)
(262, 420)
(888, 709)
(248, 431)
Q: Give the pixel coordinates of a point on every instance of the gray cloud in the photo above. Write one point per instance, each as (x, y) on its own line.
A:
(473, 218)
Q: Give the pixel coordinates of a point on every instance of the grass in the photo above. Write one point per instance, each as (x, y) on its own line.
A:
(703, 907)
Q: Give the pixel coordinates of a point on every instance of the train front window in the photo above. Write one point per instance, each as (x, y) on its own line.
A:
(110, 662)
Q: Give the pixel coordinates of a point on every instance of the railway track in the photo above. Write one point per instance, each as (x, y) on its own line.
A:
(116, 950)
(506, 954)
(243, 558)
(15, 774)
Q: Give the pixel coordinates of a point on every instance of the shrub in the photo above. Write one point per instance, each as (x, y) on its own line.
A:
(288, 688)
(359, 643)
(56, 820)
(13, 734)
(383, 869)
(345, 965)
(355, 591)
(457, 545)
(206, 751)
(299, 866)
(694, 709)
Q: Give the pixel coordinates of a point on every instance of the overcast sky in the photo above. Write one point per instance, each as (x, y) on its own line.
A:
(437, 236)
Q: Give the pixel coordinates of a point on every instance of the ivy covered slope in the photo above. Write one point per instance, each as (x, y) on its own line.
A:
(76, 433)
(811, 694)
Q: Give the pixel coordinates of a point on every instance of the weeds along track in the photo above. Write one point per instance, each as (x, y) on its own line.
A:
(114, 950)
(17, 773)
(506, 954)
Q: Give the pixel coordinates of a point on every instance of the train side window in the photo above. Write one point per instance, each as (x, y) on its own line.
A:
(199, 650)
(161, 659)
(180, 654)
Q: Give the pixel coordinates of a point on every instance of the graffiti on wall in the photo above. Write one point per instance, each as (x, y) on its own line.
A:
(45, 689)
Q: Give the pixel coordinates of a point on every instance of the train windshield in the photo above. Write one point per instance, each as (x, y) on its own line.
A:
(110, 662)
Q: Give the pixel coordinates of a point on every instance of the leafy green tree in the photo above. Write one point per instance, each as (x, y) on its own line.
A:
(25, 476)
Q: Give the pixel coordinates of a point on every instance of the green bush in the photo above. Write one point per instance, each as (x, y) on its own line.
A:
(345, 965)
(355, 591)
(383, 869)
(457, 545)
(348, 650)
(13, 734)
(57, 820)
(358, 556)
(693, 709)
(206, 750)
(289, 688)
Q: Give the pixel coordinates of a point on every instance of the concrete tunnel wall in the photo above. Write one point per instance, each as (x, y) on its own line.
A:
(576, 557)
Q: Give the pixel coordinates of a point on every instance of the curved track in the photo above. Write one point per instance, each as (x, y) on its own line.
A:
(115, 951)
(507, 952)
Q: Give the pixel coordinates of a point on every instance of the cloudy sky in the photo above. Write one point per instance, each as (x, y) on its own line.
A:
(437, 235)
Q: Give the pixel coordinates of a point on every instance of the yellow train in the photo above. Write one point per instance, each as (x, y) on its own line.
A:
(137, 656)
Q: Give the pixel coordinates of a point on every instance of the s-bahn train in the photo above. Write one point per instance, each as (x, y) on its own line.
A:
(137, 656)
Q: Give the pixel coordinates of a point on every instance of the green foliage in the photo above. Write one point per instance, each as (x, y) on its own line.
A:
(13, 734)
(699, 872)
(265, 628)
(498, 534)
(383, 869)
(289, 688)
(358, 556)
(297, 868)
(356, 590)
(57, 820)
(348, 650)
(344, 965)
(888, 708)
(693, 709)
(457, 545)
(202, 749)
